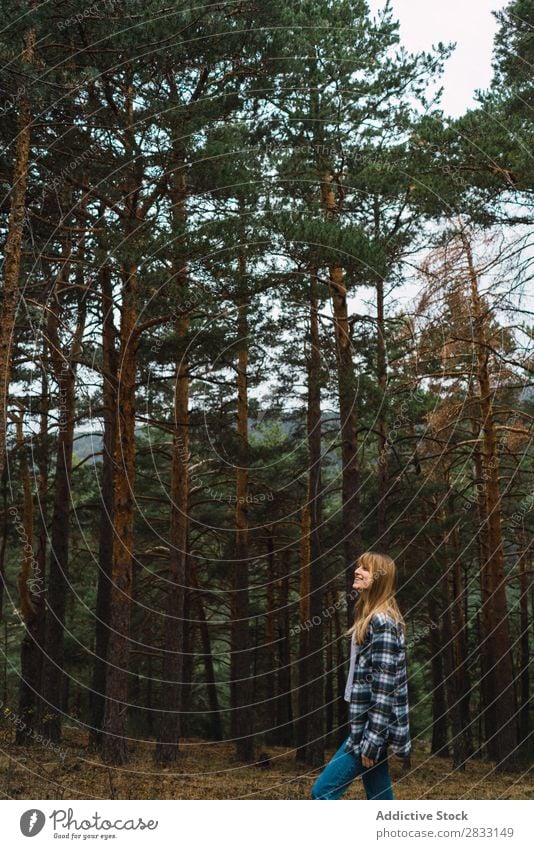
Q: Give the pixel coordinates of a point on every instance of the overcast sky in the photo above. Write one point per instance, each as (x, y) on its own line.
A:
(467, 22)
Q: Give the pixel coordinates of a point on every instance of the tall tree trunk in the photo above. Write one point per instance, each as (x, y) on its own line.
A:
(381, 417)
(3, 544)
(188, 666)
(347, 407)
(314, 684)
(148, 699)
(458, 742)
(105, 550)
(524, 656)
(114, 743)
(460, 641)
(13, 247)
(284, 707)
(53, 680)
(36, 630)
(439, 745)
(485, 643)
(341, 676)
(267, 689)
(330, 680)
(502, 744)
(216, 730)
(241, 682)
(304, 636)
(169, 725)
(30, 603)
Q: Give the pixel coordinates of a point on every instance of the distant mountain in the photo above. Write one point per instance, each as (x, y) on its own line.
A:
(89, 443)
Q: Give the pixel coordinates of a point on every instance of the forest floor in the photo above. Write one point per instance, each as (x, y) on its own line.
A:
(211, 771)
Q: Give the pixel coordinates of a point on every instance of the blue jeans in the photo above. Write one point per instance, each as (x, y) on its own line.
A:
(341, 771)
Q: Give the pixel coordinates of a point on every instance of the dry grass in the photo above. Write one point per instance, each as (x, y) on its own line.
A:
(211, 771)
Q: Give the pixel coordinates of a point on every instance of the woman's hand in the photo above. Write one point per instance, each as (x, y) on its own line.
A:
(367, 762)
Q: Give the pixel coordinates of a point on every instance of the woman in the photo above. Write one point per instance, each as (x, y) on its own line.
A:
(376, 689)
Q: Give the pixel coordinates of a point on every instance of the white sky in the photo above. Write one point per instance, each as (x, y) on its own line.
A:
(469, 23)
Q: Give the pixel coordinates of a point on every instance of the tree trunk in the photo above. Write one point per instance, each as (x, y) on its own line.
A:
(241, 682)
(304, 636)
(53, 680)
(381, 418)
(267, 688)
(169, 731)
(148, 700)
(169, 725)
(439, 745)
(188, 666)
(284, 708)
(524, 657)
(502, 743)
(347, 408)
(460, 641)
(114, 743)
(330, 680)
(30, 593)
(314, 684)
(485, 644)
(216, 730)
(3, 544)
(458, 742)
(341, 676)
(13, 248)
(105, 551)
(37, 629)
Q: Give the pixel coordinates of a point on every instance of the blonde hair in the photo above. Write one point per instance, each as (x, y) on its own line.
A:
(379, 597)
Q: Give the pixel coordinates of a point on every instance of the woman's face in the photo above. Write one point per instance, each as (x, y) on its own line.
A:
(362, 578)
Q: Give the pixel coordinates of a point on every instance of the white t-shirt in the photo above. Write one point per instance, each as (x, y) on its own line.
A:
(350, 676)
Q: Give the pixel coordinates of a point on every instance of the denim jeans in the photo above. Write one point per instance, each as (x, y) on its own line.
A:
(341, 771)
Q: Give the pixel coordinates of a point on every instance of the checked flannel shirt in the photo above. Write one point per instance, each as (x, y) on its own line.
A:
(378, 691)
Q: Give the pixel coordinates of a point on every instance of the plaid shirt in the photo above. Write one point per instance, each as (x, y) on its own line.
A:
(378, 707)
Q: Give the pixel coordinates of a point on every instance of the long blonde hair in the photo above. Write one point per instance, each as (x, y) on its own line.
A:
(379, 597)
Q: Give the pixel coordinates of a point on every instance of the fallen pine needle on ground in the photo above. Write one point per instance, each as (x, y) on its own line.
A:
(209, 770)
